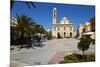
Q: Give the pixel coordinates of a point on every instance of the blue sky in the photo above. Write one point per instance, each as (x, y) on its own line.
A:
(77, 14)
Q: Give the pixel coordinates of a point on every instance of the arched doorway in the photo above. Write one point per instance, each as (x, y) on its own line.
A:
(64, 34)
(70, 34)
(58, 35)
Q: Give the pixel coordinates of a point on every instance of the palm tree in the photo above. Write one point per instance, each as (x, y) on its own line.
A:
(29, 4)
(24, 28)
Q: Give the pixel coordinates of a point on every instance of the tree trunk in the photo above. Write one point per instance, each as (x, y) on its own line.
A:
(22, 38)
(83, 55)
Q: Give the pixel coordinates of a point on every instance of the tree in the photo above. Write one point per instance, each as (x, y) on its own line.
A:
(92, 21)
(48, 35)
(84, 45)
(23, 28)
(29, 4)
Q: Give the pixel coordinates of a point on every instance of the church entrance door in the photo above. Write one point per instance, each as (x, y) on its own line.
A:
(58, 35)
(64, 34)
(70, 34)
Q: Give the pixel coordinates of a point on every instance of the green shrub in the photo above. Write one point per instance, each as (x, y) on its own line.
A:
(89, 58)
(77, 58)
(12, 48)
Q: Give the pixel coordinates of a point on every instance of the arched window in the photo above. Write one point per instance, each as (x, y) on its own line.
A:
(64, 28)
(54, 13)
(58, 28)
(70, 28)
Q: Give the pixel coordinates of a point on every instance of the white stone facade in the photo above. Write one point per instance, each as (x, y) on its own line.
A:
(63, 29)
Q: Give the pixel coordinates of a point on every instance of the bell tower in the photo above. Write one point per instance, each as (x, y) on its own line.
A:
(54, 16)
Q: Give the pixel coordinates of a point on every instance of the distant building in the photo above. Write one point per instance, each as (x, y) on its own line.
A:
(63, 29)
(81, 29)
(48, 30)
(85, 29)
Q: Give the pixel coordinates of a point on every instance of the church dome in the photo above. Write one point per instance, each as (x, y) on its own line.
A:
(64, 18)
(64, 21)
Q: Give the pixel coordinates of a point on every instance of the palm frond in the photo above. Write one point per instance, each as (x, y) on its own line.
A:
(11, 4)
(30, 4)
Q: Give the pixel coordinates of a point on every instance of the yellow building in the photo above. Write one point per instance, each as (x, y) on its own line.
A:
(81, 28)
(63, 29)
(85, 29)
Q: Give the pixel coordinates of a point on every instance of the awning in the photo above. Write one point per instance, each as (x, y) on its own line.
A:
(89, 33)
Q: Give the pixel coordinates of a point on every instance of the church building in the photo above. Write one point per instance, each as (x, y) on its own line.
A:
(63, 28)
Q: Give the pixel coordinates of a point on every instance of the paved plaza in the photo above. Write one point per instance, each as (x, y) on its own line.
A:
(52, 52)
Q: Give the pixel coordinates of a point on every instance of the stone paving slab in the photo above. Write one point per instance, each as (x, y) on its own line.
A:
(57, 58)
